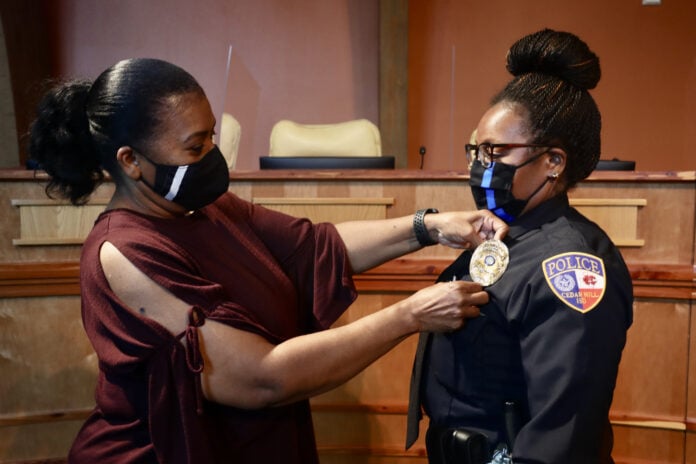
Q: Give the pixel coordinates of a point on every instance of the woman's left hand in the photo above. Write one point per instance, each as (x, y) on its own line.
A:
(465, 229)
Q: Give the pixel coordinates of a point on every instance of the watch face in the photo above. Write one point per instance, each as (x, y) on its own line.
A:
(489, 262)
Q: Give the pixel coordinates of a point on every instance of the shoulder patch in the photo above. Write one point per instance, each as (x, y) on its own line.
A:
(577, 279)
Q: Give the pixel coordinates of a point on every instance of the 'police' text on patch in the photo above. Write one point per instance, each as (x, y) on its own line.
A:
(578, 279)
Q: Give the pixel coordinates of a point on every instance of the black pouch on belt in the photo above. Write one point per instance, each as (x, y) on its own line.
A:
(454, 445)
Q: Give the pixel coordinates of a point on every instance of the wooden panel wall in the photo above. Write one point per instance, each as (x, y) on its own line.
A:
(48, 367)
(48, 375)
(393, 79)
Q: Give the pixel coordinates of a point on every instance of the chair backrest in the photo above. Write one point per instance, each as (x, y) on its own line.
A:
(358, 137)
(230, 133)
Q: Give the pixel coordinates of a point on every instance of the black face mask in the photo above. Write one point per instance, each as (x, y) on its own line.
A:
(195, 185)
(492, 188)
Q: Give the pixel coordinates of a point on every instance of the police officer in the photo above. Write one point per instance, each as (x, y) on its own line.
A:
(532, 378)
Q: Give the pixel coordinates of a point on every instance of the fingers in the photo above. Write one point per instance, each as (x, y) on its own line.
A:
(501, 232)
(445, 306)
(468, 229)
(458, 319)
(492, 227)
(458, 245)
(467, 287)
(497, 227)
(471, 296)
(470, 311)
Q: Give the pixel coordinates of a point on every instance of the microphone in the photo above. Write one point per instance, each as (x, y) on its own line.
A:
(421, 152)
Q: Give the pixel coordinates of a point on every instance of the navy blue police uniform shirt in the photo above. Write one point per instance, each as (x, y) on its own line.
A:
(550, 339)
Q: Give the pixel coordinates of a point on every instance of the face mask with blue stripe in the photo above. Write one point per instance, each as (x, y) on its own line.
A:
(492, 188)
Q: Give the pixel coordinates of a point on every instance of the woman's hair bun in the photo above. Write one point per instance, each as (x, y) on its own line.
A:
(60, 142)
(554, 53)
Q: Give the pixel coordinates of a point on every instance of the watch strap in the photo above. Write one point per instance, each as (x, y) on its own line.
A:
(419, 229)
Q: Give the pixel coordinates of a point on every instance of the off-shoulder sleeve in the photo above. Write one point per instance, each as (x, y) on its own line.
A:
(149, 380)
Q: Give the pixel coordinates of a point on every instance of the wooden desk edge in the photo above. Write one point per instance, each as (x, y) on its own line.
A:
(21, 175)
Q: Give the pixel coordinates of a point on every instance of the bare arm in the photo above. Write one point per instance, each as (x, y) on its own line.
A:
(246, 371)
(371, 243)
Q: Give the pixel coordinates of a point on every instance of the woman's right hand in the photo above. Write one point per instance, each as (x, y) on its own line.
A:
(445, 306)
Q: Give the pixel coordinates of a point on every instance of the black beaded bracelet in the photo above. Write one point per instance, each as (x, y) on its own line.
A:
(419, 228)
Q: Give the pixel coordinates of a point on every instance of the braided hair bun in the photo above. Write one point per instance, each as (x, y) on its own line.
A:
(553, 72)
(559, 54)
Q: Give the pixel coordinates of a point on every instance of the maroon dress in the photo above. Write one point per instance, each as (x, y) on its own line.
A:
(235, 263)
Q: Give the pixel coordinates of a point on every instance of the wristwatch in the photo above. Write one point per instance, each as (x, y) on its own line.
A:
(419, 228)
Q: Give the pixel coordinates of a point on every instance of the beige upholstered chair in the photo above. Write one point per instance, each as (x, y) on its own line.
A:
(358, 137)
(230, 133)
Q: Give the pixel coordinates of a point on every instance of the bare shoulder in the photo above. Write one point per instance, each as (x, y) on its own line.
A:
(140, 293)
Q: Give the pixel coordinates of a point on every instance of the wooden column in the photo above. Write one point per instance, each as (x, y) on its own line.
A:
(393, 78)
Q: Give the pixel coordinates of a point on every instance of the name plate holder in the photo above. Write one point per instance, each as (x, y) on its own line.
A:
(617, 216)
(53, 222)
(332, 210)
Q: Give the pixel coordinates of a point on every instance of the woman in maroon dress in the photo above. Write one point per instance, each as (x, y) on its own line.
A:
(207, 313)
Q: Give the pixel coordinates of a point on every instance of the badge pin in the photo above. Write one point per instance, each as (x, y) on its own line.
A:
(489, 262)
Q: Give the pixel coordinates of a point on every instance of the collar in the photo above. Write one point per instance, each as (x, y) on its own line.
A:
(548, 211)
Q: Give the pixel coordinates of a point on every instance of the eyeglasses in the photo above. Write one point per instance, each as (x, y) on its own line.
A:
(486, 153)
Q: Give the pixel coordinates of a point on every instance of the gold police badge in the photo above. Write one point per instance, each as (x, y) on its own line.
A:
(488, 262)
